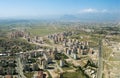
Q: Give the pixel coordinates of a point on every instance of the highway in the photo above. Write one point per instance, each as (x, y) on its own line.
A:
(100, 61)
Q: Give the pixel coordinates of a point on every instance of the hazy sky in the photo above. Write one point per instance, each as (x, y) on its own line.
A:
(21, 8)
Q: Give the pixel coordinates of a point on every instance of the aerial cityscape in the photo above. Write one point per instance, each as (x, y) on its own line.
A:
(59, 39)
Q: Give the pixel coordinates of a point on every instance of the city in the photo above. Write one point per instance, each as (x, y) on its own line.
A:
(62, 46)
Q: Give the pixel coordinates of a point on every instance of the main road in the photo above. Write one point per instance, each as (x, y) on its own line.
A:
(20, 68)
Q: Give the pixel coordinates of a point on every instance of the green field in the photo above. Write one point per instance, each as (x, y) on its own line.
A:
(45, 30)
(29, 75)
(73, 75)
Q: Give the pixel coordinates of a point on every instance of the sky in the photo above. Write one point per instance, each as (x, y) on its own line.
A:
(37, 8)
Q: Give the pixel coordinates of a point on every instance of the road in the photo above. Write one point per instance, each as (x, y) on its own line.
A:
(100, 61)
(20, 68)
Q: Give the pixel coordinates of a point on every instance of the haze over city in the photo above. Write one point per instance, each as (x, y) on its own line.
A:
(56, 8)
